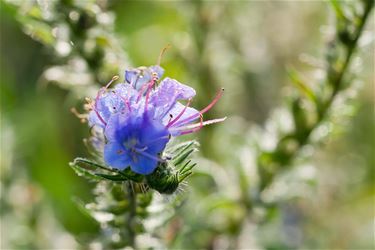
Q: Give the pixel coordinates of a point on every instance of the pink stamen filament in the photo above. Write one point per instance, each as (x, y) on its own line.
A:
(150, 85)
(96, 110)
(125, 100)
(170, 123)
(194, 129)
(100, 92)
(141, 90)
(208, 107)
(199, 125)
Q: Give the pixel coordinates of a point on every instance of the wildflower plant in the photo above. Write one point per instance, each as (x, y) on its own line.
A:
(133, 125)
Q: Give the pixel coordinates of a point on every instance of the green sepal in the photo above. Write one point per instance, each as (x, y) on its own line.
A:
(181, 154)
(163, 179)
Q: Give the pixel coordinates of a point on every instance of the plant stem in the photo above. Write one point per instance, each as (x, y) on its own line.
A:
(132, 198)
(350, 49)
(333, 80)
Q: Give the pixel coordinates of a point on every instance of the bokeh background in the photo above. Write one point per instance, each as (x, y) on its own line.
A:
(54, 53)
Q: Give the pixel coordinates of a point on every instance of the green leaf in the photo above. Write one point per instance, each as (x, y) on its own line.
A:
(128, 173)
(80, 171)
(92, 164)
(338, 9)
(112, 177)
(300, 84)
(82, 208)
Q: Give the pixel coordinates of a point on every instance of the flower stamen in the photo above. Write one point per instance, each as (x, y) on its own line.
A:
(170, 123)
(194, 129)
(208, 107)
(162, 53)
(82, 117)
(199, 125)
(100, 92)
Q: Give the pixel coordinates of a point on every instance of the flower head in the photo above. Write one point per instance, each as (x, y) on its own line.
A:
(134, 141)
(138, 118)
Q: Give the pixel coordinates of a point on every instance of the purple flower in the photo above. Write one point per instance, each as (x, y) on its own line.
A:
(141, 76)
(134, 141)
(138, 118)
(118, 100)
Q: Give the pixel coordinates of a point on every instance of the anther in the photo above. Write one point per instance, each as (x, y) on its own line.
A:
(170, 118)
(208, 107)
(77, 114)
(115, 78)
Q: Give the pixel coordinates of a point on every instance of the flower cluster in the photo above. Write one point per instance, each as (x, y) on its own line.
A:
(139, 117)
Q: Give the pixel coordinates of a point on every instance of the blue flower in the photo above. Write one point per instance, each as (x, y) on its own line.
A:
(107, 103)
(138, 118)
(134, 141)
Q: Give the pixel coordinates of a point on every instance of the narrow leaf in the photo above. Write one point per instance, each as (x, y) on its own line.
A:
(338, 9)
(84, 173)
(299, 83)
(112, 177)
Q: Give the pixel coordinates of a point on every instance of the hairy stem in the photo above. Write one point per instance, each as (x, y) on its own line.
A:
(132, 198)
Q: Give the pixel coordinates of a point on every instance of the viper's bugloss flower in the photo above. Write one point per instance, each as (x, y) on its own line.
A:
(139, 117)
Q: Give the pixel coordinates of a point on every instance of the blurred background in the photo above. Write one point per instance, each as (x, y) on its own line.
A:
(54, 53)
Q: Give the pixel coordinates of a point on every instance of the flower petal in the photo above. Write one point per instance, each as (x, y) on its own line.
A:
(142, 75)
(176, 110)
(116, 156)
(158, 70)
(114, 130)
(144, 165)
(155, 136)
(167, 94)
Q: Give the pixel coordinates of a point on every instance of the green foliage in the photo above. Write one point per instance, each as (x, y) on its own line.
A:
(123, 197)
(244, 193)
(339, 54)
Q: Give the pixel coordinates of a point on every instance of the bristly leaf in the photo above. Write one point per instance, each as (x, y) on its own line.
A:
(91, 164)
(94, 171)
(182, 152)
(84, 172)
